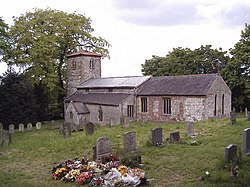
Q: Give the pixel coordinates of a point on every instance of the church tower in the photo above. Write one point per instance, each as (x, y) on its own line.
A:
(81, 66)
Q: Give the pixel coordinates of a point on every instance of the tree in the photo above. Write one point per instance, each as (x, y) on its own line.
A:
(237, 71)
(3, 36)
(183, 61)
(18, 103)
(40, 40)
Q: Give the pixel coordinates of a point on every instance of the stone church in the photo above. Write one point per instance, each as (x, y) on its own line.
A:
(91, 98)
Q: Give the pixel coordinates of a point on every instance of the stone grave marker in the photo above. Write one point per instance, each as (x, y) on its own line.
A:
(61, 129)
(125, 122)
(190, 128)
(38, 125)
(1, 126)
(232, 117)
(246, 112)
(112, 122)
(230, 152)
(29, 127)
(102, 148)
(156, 136)
(21, 127)
(66, 129)
(246, 141)
(129, 141)
(174, 137)
(89, 128)
(6, 137)
(248, 116)
(11, 128)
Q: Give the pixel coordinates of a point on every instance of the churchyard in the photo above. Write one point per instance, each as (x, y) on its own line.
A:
(178, 154)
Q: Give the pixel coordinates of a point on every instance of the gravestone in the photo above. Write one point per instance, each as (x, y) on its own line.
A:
(21, 127)
(89, 128)
(232, 117)
(102, 148)
(246, 112)
(6, 137)
(38, 125)
(1, 126)
(129, 141)
(230, 152)
(246, 141)
(112, 122)
(174, 137)
(125, 122)
(156, 136)
(66, 129)
(61, 129)
(11, 128)
(29, 127)
(190, 128)
(248, 116)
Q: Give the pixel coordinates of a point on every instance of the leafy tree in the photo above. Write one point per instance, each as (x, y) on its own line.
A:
(3, 36)
(40, 40)
(183, 61)
(237, 71)
(17, 100)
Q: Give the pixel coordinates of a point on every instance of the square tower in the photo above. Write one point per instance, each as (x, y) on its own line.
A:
(81, 66)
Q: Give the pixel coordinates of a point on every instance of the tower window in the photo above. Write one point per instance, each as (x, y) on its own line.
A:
(91, 63)
(74, 65)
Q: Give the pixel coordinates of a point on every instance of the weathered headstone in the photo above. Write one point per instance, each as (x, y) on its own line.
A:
(248, 116)
(38, 125)
(156, 136)
(6, 137)
(66, 129)
(246, 112)
(174, 137)
(125, 122)
(246, 141)
(29, 127)
(89, 128)
(11, 128)
(102, 148)
(21, 127)
(232, 117)
(61, 129)
(230, 152)
(190, 128)
(129, 141)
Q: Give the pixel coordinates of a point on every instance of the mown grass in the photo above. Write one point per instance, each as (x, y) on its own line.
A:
(29, 159)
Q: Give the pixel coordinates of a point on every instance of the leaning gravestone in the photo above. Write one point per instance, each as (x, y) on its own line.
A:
(230, 152)
(232, 117)
(156, 136)
(174, 137)
(190, 128)
(102, 148)
(21, 127)
(38, 125)
(246, 141)
(29, 127)
(89, 128)
(66, 129)
(11, 128)
(129, 141)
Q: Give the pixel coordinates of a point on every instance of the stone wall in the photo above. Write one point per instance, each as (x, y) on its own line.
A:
(79, 70)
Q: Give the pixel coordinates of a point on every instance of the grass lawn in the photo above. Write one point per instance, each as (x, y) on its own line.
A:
(29, 159)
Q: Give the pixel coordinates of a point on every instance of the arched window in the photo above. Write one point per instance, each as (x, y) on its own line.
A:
(100, 112)
(222, 104)
(91, 63)
(215, 105)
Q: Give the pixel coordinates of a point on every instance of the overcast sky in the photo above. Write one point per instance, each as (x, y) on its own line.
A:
(138, 29)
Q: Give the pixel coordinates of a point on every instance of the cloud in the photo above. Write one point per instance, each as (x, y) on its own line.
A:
(182, 12)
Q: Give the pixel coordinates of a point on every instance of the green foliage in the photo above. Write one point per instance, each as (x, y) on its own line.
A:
(237, 72)
(184, 61)
(3, 36)
(18, 104)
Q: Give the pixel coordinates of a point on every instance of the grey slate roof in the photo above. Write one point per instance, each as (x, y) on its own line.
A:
(81, 108)
(186, 85)
(113, 99)
(114, 82)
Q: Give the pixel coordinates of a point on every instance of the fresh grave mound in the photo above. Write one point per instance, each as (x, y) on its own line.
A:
(112, 173)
